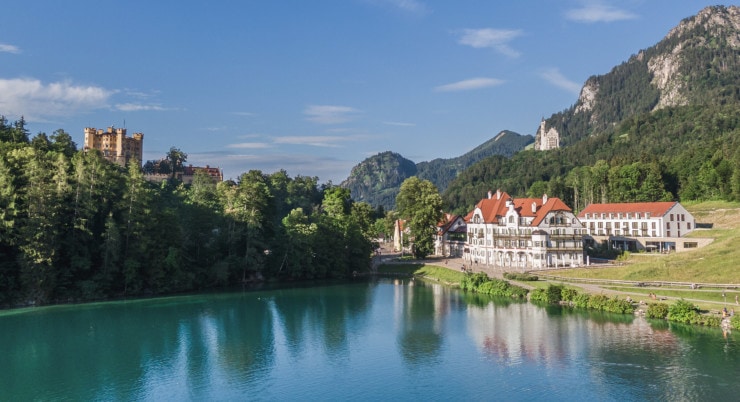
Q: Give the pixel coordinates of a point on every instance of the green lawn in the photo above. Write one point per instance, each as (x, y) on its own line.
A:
(428, 271)
(718, 262)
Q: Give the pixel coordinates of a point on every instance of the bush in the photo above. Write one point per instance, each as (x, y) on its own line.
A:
(657, 310)
(582, 300)
(735, 322)
(481, 283)
(554, 294)
(569, 294)
(538, 295)
(597, 302)
(711, 320)
(683, 312)
(619, 306)
(513, 276)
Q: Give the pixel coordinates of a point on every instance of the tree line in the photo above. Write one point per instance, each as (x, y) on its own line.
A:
(76, 227)
(677, 153)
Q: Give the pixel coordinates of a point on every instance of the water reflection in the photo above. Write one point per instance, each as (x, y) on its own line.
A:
(376, 340)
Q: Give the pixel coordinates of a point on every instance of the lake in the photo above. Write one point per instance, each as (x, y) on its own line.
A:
(385, 339)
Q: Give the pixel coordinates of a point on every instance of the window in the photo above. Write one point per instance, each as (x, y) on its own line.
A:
(668, 233)
(690, 244)
(671, 217)
(653, 225)
(688, 226)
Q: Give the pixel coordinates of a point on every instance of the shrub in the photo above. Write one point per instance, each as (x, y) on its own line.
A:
(597, 302)
(735, 322)
(683, 312)
(481, 283)
(619, 306)
(711, 320)
(657, 310)
(513, 276)
(554, 293)
(582, 300)
(569, 294)
(538, 295)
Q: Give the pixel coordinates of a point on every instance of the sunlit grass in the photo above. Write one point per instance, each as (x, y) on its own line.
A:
(718, 262)
(427, 271)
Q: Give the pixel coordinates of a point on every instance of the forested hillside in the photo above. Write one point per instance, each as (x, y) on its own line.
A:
(377, 179)
(75, 227)
(663, 125)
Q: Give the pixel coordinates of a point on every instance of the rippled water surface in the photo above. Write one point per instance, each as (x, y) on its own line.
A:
(380, 340)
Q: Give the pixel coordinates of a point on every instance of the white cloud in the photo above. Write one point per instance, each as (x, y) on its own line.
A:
(136, 107)
(326, 141)
(555, 77)
(328, 114)
(249, 145)
(466, 85)
(245, 114)
(37, 101)
(497, 39)
(5, 48)
(598, 12)
(399, 124)
(233, 165)
(412, 6)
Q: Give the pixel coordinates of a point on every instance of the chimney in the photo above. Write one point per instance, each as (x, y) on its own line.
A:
(489, 194)
(544, 199)
(498, 194)
(534, 207)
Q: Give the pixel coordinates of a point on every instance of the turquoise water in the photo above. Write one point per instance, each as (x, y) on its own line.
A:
(379, 340)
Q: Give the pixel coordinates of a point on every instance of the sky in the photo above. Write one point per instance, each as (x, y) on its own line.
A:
(312, 86)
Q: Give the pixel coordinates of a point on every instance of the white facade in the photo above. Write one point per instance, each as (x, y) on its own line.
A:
(521, 234)
(644, 219)
(652, 226)
(451, 237)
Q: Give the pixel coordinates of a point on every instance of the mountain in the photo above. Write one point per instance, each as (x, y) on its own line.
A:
(696, 63)
(377, 179)
(665, 124)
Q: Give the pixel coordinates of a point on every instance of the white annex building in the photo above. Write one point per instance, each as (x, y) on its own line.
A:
(450, 238)
(524, 233)
(651, 226)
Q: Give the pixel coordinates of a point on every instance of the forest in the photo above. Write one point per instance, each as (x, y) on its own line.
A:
(678, 153)
(75, 227)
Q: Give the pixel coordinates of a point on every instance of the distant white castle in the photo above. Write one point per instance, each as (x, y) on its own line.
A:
(546, 140)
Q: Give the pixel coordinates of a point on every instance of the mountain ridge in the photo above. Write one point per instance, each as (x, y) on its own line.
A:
(377, 179)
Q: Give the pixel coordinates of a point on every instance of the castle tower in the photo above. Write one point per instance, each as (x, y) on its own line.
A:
(115, 145)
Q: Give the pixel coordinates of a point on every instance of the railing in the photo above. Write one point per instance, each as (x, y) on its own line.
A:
(695, 285)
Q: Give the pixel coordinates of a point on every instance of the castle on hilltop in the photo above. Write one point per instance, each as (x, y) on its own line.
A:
(115, 145)
(546, 140)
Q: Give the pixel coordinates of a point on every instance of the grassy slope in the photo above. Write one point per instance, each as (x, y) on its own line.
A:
(430, 271)
(718, 262)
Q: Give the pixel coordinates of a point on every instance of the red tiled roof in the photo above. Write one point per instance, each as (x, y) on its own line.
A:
(654, 208)
(494, 207)
(552, 204)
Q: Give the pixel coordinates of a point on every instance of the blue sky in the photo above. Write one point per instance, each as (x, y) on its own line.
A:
(312, 86)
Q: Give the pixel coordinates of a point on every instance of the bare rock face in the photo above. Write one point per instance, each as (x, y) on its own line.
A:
(587, 97)
(718, 22)
(665, 77)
